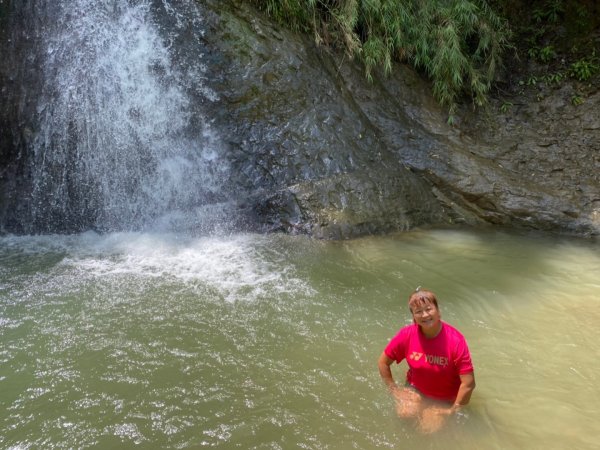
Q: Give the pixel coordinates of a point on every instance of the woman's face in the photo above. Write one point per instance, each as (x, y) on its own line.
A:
(427, 316)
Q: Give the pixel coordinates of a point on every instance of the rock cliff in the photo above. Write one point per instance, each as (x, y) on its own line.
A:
(335, 155)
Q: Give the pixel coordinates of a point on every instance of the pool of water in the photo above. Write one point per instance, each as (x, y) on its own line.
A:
(271, 342)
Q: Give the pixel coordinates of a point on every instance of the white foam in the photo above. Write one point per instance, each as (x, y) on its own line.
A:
(236, 267)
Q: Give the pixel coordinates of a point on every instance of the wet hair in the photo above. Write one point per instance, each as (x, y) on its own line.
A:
(422, 297)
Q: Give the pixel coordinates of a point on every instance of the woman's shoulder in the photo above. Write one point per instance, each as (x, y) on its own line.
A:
(408, 330)
(452, 331)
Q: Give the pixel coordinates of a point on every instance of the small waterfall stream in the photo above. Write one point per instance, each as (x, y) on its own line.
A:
(122, 143)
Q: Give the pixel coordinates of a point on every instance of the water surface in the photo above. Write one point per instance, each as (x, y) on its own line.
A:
(270, 342)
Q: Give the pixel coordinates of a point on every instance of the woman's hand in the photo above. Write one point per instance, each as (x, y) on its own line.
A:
(433, 418)
(408, 402)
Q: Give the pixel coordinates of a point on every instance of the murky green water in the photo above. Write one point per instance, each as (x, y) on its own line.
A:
(271, 342)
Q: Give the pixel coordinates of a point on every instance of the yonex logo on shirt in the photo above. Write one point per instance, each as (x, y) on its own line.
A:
(431, 359)
(416, 356)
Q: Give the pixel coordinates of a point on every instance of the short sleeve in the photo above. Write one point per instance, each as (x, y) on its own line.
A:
(396, 348)
(462, 359)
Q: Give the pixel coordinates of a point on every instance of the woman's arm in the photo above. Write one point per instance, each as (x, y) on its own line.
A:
(386, 372)
(467, 384)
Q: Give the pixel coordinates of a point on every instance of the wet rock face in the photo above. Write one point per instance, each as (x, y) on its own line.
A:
(535, 166)
(309, 158)
(336, 156)
(19, 85)
(551, 148)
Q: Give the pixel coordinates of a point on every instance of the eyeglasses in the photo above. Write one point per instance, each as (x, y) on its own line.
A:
(420, 312)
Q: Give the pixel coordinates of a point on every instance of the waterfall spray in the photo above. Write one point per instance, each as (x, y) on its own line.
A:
(122, 143)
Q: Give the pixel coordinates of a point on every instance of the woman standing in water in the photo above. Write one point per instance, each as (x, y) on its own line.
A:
(439, 365)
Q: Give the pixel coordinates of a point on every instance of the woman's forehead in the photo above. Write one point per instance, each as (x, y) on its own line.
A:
(420, 302)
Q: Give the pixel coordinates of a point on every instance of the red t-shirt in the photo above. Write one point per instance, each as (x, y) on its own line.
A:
(434, 364)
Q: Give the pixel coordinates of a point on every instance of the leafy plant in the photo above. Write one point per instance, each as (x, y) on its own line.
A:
(533, 52)
(577, 100)
(538, 14)
(532, 80)
(505, 107)
(550, 12)
(555, 9)
(547, 53)
(585, 68)
(554, 78)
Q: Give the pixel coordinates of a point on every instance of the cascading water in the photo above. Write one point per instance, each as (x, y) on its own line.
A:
(121, 142)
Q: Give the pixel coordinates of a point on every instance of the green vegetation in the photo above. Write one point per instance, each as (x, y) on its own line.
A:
(584, 68)
(458, 44)
(554, 78)
(559, 35)
(547, 53)
(550, 11)
(576, 100)
(506, 107)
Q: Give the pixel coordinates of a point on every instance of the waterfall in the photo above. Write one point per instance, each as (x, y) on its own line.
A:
(121, 142)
